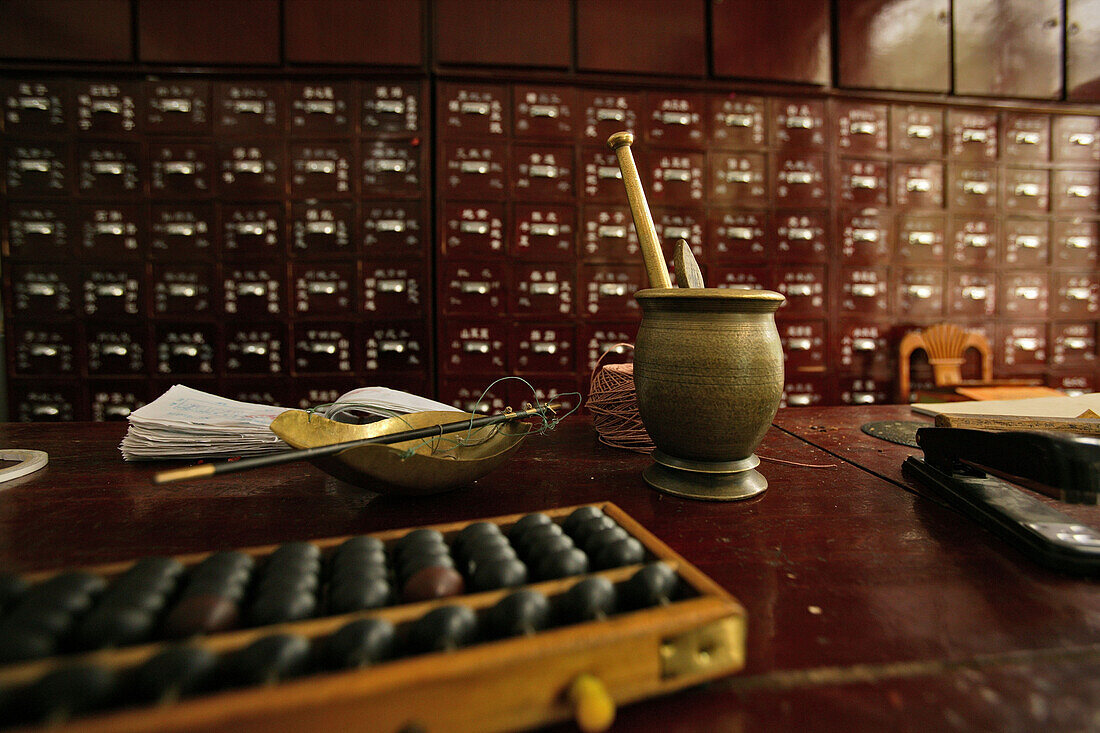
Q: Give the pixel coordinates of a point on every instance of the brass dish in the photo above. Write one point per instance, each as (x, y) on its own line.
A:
(435, 464)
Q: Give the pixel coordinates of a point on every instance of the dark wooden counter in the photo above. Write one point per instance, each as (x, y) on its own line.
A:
(868, 605)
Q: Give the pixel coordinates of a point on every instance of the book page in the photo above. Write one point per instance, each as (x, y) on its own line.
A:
(1064, 406)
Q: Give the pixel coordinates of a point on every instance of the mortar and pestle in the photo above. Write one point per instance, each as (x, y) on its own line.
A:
(708, 367)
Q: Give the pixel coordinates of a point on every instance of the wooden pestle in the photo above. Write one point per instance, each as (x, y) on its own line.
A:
(654, 259)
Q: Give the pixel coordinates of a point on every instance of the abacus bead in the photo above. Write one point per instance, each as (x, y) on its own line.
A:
(625, 551)
(415, 564)
(200, 614)
(590, 526)
(12, 586)
(472, 532)
(422, 537)
(282, 606)
(433, 582)
(70, 690)
(77, 582)
(533, 536)
(527, 523)
(488, 553)
(40, 617)
(499, 574)
(360, 643)
(19, 645)
(580, 515)
(361, 544)
(358, 596)
(269, 659)
(523, 612)
(482, 544)
(295, 552)
(590, 599)
(652, 585)
(561, 564)
(549, 545)
(443, 628)
(176, 671)
(592, 542)
(114, 627)
(299, 581)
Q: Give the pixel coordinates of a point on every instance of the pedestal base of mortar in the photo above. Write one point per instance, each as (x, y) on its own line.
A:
(711, 480)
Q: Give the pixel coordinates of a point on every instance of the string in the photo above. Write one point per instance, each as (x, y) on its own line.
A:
(613, 403)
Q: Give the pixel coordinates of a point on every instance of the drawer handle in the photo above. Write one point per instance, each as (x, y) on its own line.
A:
(1029, 241)
(478, 167)
(391, 286)
(115, 350)
(390, 106)
(920, 132)
(176, 105)
(45, 290)
(676, 174)
(800, 122)
(864, 290)
(255, 349)
(321, 288)
(612, 231)
(922, 238)
(870, 182)
(798, 177)
(862, 127)
(801, 289)
(544, 288)
(1079, 241)
(43, 350)
(1027, 292)
(800, 400)
(543, 171)
(1025, 137)
(43, 228)
(475, 347)
(36, 165)
(612, 289)
(251, 229)
(918, 185)
(110, 291)
(327, 167)
(179, 168)
(613, 347)
(1079, 192)
(46, 411)
(863, 398)
(474, 227)
(324, 228)
(800, 344)
(544, 348)
(184, 350)
(321, 107)
(180, 229)
(610, 114)
(475, 108)
(865, 235)
(608, 171)
(977, 188)
(676, 118)
(1026, 343)
(544, 110)
(1082, 138)
(392, 165)
(254, 167)
(182, 290)
(802, 233)
(863, 344)
(1078, 293)
(922, 292)
(1077, 343)
(976, 240)
(392, 347)
(975, 135)
(108, 168)
(543, 229)
(743, 233)
(42, 104)
(738, 120)
(975, 292)
(106, 106)
(477, 287)
(677, 233)
(390, 225)
(739, 176)
(248, 107)
(1029, 190)
(251, 289)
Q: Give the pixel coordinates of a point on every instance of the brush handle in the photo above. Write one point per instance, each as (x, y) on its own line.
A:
(655, 268)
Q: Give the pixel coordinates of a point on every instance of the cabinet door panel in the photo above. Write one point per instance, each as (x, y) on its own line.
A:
(894, 44)
(209, 31)
(1082, 50)
(784, 40)
(504, 32)
(386, 32)
(636, 36)
(66, 29)
(1011, 48)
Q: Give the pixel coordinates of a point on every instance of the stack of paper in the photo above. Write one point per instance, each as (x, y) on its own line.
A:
(188, 423)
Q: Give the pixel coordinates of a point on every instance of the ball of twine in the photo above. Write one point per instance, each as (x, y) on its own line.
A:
(614, 406)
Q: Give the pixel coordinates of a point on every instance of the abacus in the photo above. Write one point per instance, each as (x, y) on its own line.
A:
(494, 624)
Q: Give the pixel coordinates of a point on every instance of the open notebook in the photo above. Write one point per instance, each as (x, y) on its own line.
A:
(188, 423)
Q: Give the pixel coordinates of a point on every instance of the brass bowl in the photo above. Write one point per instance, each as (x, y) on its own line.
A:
(434, 465)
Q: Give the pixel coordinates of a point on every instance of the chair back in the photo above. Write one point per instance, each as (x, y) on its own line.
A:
(946, 345)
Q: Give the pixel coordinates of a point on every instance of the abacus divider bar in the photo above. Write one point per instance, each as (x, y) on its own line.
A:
(655, 268)
(301, 454)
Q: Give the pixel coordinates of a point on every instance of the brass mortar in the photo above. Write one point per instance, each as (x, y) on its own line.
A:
(708, 370)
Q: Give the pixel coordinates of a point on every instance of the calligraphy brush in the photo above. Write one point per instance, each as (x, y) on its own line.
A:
(244, 464)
